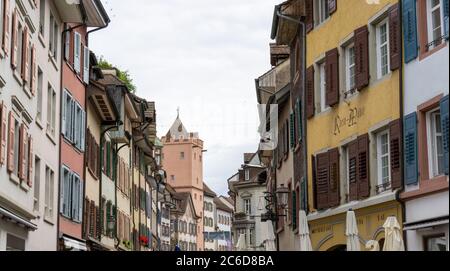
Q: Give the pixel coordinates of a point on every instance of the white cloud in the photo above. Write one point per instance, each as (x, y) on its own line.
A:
(200, 55)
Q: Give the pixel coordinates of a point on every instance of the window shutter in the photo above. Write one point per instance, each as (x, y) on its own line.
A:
(108, 216)
(445, 128)
(299, 121)
(410, 143)
(361, 57)
(314, 181)
(22, 151)
(80, 202)
(394, 37)
(33, 70)
(11, 142)
(322, 180)
(77, 52)
(310, 92)
(74, 199)
(304, 195)
(83, 131)
(30, 161)
(62, 190)
(395, 153)
(332, 6)
(332, 77)
(334, 196)
(67, 36)
(410, 30)
(5, 18)
(64, 116)
(87, 219)
(363, 167)
(292, 130)
(98, 222)
(446, 18)
(3, 133)
(15, 33)
(353, 170)
(309, 6)
(286, 135)
(86, 65)
(24, 72)
(88, 152)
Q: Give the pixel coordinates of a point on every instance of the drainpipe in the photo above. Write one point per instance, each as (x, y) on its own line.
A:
(115, 190)
(63, 52)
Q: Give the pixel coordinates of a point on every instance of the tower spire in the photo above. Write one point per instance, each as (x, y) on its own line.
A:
(178, 112)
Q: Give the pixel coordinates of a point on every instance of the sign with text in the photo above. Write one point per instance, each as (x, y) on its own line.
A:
(348, 120)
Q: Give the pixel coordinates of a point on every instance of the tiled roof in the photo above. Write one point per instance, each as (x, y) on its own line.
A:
(222, 206)
(208, 191)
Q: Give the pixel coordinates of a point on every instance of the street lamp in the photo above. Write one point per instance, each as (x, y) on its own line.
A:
(282, 193)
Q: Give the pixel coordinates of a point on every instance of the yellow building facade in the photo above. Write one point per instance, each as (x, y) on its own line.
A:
(353, 96)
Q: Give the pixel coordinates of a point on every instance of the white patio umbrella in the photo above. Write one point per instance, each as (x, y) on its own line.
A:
(270, 244)
(241, 243)
(351, 232)
(305, 240)
(372, 245)
(393, 236)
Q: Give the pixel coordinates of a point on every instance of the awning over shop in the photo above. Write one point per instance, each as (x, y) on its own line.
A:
(71, 244)
(13, 218)
(425, 224)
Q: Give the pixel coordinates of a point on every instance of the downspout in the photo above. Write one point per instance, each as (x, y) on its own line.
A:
(402, 112)
(63, 52)
(115, 190)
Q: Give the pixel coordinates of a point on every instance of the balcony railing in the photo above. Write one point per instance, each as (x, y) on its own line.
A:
(383, 187)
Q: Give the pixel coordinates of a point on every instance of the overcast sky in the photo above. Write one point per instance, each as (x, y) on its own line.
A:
(201, 56)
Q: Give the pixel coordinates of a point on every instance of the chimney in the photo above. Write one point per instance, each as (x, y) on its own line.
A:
(278, 53)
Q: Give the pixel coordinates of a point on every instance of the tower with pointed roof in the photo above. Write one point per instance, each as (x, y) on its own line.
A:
(182, 159)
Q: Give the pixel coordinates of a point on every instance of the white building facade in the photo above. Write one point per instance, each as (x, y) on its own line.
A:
(426, 124)
(209, 219)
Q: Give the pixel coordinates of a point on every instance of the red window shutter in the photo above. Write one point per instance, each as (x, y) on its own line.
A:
(395, 129)
(333, 195)
(322, 179)
(5, 18)
(394, 37)
(332, 77)
(310, 92)
(25, 55)
(362, 75)
(22, 151)
(332, 6)
(363, 167)
(33, 70)
(3, 133)
(30, 161)
(352, 150)
(15, 33)
(12, 122)
(309, 5)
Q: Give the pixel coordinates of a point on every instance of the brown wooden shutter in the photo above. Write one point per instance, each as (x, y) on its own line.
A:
(12, 122)
(22, 151)
(30, 161)
(87, 152)
(309, 6)
(15, 33)
(3, 133)
(310, 92)
(25, 55)
(332, 77)
(362, 74)
(363, 167)
(332, 6)
(314, 180)
(394, 37)
(98, 222)
(322, 179)
(33, 70)
(333, 194)
(352, 150)
(5, 18)
(86, 218)
(395, 129)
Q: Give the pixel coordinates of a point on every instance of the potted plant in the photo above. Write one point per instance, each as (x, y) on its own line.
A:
(144, 240)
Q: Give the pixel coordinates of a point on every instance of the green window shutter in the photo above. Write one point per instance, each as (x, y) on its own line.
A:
(299, 120)
(108, 158)
(108, 216)
(292, 134)
(445, 126)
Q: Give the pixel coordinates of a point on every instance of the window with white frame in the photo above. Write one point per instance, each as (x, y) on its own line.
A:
(350, 67)
(71, 195)
(383, 159)
(39, 95)
(435, 147)
(247, 174)
(322, 11)
(51, 111)
(382, 41)
(248, 206)
(49, 193)
(77, 52)
(435, 19)
(73, 121)
(37, 183)
(53, 39)
(322, 88)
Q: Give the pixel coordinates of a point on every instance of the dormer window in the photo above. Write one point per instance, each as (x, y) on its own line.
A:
(247, 175)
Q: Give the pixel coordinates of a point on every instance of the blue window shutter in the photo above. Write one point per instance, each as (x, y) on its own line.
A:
(410, 29)
(445, 132)
(446, 18)
(410, 142)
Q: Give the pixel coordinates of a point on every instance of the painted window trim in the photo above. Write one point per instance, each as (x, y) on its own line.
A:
(378, 159)
(378, 45)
